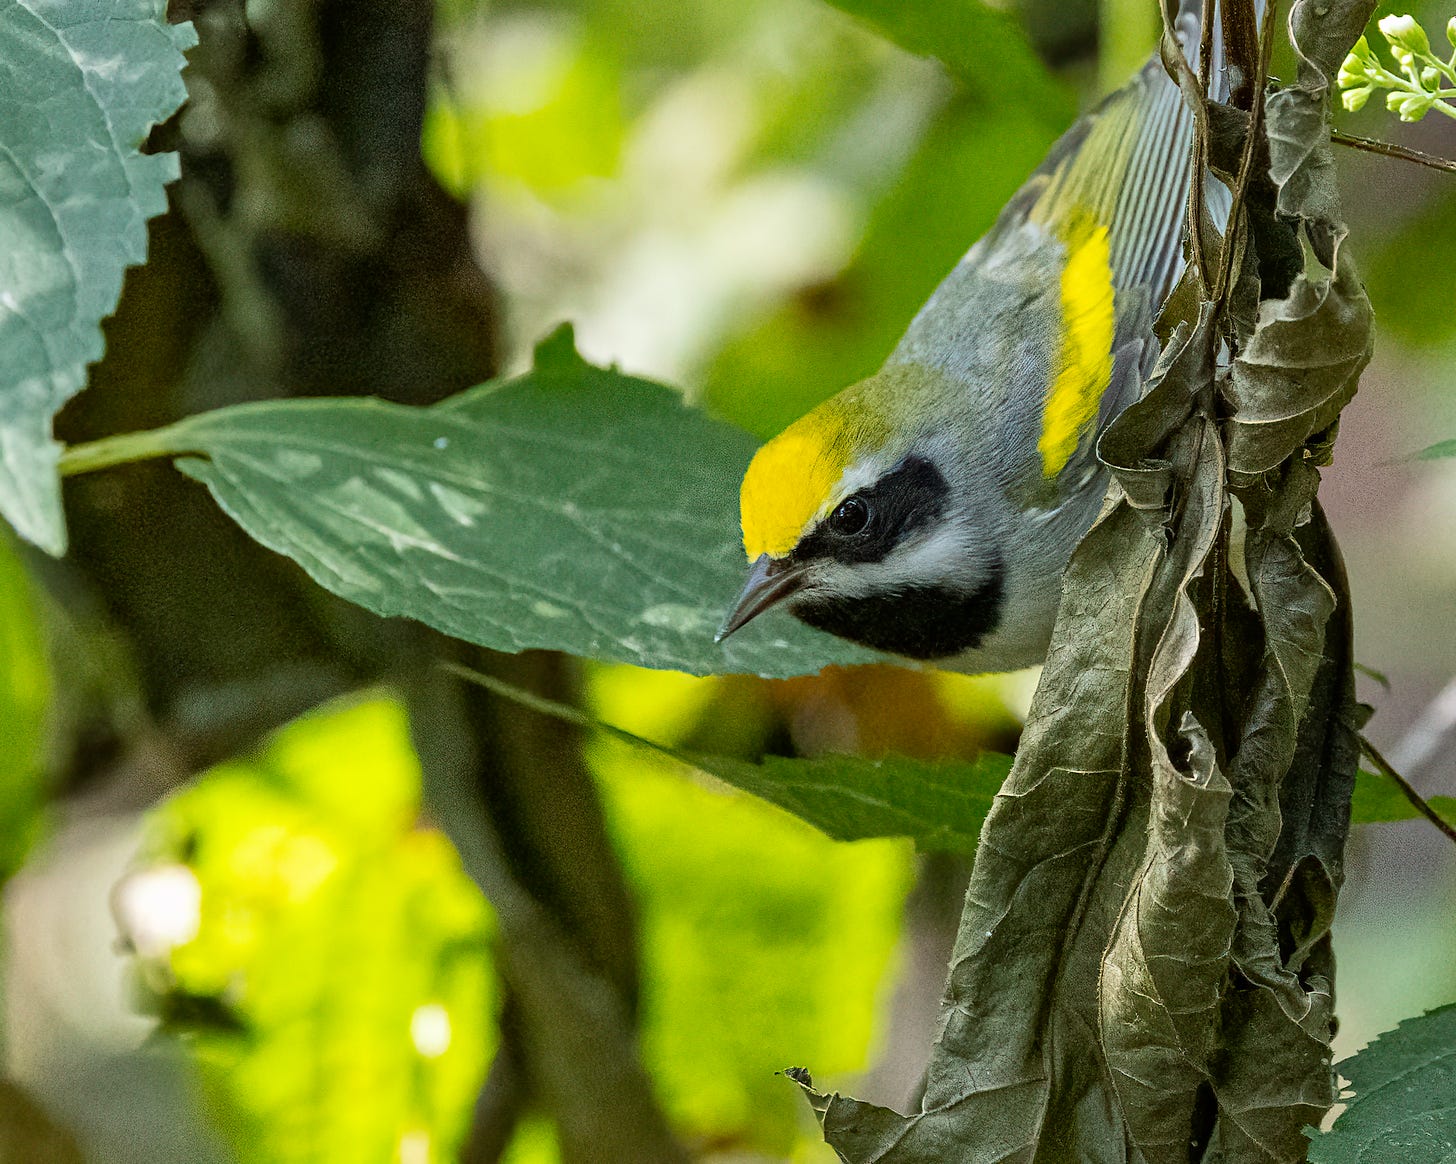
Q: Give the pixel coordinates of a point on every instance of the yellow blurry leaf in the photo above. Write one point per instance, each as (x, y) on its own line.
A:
(764, 942)
(543, 111)
(335, 982)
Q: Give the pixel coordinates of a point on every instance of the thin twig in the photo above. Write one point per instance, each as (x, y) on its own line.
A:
(1193, 93)
(1246, 158)
(1391, 150)
(1418, 802)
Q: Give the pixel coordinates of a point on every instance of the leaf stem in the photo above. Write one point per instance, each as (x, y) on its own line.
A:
(1418, 802)
(122, 449)
(560, 711)
(1390, 150)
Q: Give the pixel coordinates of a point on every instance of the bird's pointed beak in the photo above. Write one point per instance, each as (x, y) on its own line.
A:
(769, 582)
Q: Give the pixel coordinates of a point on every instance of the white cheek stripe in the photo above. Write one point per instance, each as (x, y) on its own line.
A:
(940, 555)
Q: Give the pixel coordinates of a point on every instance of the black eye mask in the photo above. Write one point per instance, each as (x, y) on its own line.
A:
(868, 525)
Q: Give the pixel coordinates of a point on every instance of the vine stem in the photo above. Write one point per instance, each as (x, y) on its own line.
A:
(1390, 150)
(123, 449)
(1417, 800)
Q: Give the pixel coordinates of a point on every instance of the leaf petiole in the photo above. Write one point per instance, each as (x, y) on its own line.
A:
(123, 449)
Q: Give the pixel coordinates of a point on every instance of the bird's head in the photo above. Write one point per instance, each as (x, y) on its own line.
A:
(851, 521)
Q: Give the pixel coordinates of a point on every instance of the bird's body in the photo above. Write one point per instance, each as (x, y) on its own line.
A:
(930, 510)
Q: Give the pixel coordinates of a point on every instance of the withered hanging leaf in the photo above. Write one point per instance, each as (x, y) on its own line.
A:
(1301, 159)
(1165, 968)
(1300, 368)
(1142, 970)
(1045, 849)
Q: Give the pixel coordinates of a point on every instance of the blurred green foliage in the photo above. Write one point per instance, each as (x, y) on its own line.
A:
(1378, 799)
(337, 951)
(335, 985)
(971, 159)
(765, 943)
(25, 692)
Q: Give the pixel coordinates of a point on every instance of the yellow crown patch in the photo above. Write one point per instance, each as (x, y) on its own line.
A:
(787, 484)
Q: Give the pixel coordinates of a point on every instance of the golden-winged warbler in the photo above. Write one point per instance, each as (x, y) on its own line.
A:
(930, 510)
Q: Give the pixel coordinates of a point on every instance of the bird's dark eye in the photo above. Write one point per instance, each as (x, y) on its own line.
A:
(850, 516)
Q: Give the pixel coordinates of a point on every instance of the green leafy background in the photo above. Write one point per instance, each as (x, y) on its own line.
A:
(749, 200)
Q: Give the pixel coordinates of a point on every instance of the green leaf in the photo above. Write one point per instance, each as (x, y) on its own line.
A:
(940, 804)
(84, 80)
(1404, 1102)
(1379, 800)
(572, 509)
(25, 696)
(317, 946)
(1437, 451)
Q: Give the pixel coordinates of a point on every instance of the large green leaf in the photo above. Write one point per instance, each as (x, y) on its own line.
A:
(83, 82)
(573, 509)
(1404, 1102)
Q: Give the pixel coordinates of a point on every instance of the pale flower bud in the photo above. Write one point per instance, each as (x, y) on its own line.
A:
(1354, 99)
(1404, 33)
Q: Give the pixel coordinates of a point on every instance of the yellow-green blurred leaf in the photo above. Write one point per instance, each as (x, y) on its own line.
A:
(25, 688)
(334, 981)
(1379, 799)
(985, 48)
(763, 943)
(544, 110)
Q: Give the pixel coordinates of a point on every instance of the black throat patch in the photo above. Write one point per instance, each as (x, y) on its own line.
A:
(920, 622)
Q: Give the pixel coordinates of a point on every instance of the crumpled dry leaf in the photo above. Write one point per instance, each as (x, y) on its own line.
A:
(1142, 971)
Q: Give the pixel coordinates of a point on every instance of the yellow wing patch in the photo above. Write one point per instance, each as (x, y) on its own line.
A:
(1083, 368)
